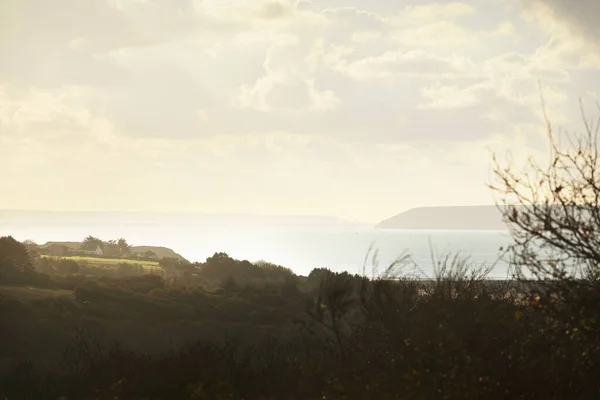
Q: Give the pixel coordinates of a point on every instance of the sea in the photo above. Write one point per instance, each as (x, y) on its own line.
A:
(352, 248)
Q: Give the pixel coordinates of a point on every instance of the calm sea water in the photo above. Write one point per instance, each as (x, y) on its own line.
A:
(340, 248)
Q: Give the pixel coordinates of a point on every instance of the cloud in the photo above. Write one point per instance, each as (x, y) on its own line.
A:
(449, 34)
(47, 112)
(564, 16)
(70, 32)
(436, 11)
(365, 36)
(447, 97)
(287, 84)
(277, 11)
(396, 64)
(443, 25)
(278, 99)
(574, 29)
(160, 100)
(75, 33)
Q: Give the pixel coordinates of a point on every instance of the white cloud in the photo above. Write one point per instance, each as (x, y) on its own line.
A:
(566, 18)
(439, 33)
(397, 64)
(279, 91)
(278, 99)
(365, 36)
(505, 28)
(442, 25)
(288, 82)
(436, 11)
(574, 32)
(447, 97)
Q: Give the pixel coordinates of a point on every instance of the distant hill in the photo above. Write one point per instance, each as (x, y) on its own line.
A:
(447, 218)
(36, 217)
(69, 245)
(161, 252)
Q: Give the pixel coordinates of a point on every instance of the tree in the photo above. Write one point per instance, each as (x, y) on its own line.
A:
(124, 247)
(553, 210)
(221, 265)
(30, 244)
(91, 243)
(111, 248)
(150, 254)
(32, 248)
(14, 253)
(275, 272)
(219, 258)
(316, 276)
(168, 264)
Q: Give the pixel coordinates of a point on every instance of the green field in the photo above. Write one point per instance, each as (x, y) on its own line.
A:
(109, 261)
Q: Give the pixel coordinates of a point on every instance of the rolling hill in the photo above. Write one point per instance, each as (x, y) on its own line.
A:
(447, 218)
(161, 252)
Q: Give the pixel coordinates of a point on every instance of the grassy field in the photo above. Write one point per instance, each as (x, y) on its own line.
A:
(110, 261)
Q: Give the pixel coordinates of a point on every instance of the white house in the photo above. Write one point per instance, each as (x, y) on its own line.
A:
(98, 252)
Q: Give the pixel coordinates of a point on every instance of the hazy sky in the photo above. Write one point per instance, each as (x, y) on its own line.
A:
(356, 109)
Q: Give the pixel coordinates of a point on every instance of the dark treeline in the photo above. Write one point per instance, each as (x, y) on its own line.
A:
(233, 329)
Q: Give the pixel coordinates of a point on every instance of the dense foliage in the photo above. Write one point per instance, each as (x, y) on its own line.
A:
(330, 336)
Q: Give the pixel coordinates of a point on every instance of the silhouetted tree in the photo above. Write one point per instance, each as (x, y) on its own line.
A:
(219, 258)
(149, 254)
(30, 244)
(32, 248)
(220, 266)
(15, 252)
(171, 264)
(91, 243)
(124, 247)
(274, 271)
(553, 211)
(316, 276)
(111, 248)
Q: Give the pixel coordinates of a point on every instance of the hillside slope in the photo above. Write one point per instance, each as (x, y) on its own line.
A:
(161, 252)
(447, 218)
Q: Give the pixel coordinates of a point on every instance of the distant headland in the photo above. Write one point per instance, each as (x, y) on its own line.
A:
(43, 217)
(447, 218)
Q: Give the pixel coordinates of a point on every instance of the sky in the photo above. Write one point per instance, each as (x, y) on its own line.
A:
(346, 108)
